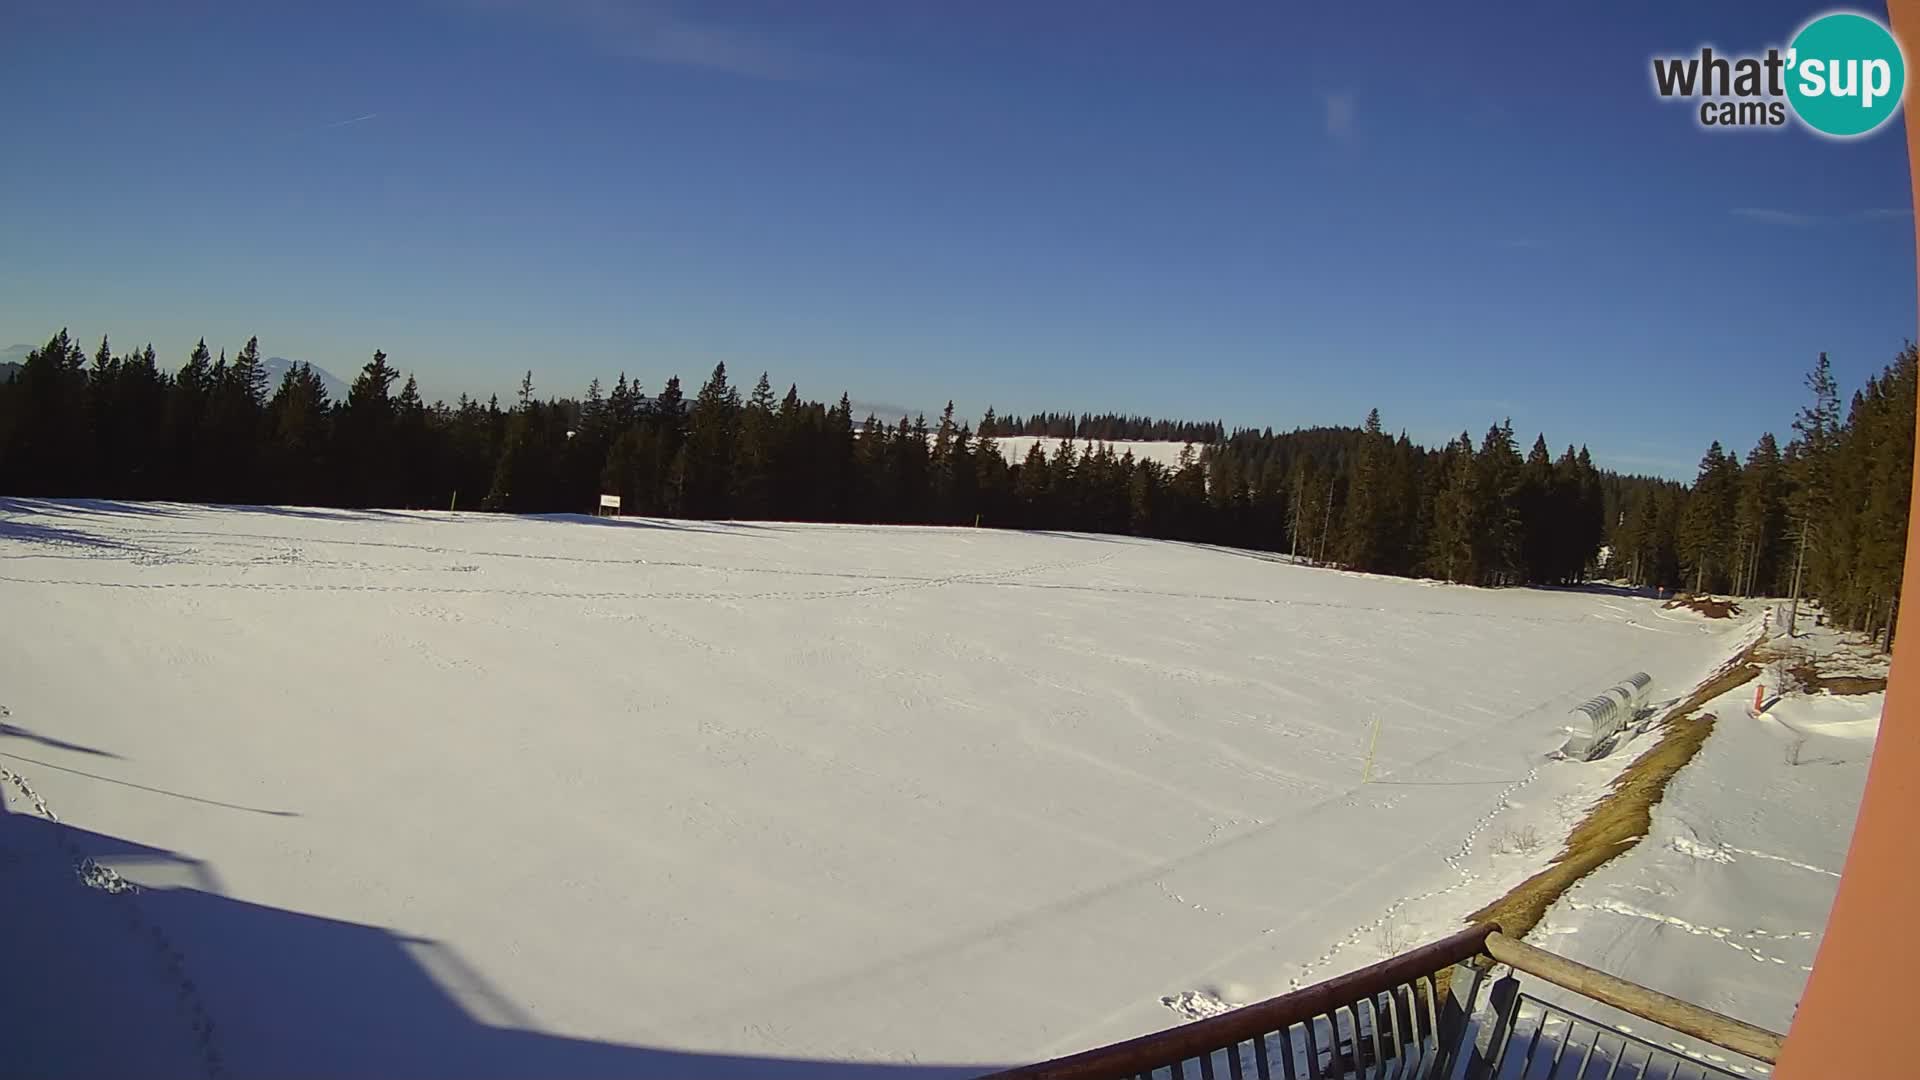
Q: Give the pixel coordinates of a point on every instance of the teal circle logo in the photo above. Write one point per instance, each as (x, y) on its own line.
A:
(1845, 74)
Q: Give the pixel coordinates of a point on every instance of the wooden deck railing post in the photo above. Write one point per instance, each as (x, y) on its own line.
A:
(1682, 1016)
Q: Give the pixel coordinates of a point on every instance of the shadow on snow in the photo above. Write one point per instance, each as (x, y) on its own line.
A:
(183, 981)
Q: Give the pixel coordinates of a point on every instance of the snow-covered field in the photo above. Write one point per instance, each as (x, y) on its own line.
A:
(461, 794)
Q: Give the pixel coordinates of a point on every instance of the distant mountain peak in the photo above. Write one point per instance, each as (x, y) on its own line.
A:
(277, 367)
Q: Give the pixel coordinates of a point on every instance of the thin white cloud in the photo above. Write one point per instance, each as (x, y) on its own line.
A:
(1340, 115)
(649, 31)
(1766, 216)
(355, 120)
(1883, 213)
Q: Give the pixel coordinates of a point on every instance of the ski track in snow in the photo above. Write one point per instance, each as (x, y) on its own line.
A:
(1725, 935)
(93, 875)
(1726, 853)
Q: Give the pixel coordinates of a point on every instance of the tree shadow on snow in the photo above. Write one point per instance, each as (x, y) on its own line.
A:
(179, 980)
(724, 528)
(1602, 588)
(91, 507)
(1280, 557)
(1097, 538)
(15, 731)
(27, 532)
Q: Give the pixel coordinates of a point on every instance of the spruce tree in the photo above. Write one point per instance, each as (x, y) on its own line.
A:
(1460, 510)
(1369, 499)
(712, 429)
(1540, 504)
(187, 407)
(1707, 521)
(297, 419)
(1497, 544)
(366, 431)
(754, 456)
(50, 441)
(1759, 519)
(1033, 487)
(249, 378)
(992, 477)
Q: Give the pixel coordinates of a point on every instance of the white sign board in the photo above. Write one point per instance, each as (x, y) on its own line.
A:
(610, 502)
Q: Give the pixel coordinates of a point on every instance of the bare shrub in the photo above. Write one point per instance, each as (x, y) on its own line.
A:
(1390, 938)
(1524, 840)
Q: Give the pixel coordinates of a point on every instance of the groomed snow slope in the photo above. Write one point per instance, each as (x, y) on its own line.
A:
(479, 795)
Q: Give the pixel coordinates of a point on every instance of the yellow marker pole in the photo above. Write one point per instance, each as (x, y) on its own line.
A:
(1366, 771)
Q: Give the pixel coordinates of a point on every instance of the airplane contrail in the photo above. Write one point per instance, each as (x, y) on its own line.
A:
(344, 123)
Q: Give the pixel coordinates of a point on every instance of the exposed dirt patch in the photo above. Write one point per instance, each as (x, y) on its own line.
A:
(1621, 817)
(1711, 606)
(1809, 677)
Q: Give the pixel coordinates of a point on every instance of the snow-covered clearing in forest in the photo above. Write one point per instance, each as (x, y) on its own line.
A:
(1014, 448)
(439, 794)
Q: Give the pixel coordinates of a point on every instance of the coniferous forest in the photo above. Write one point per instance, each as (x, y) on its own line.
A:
(1830, 503)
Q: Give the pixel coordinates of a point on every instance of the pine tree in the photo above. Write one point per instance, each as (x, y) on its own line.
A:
(1187, 497)
(236, 414)
(1589, 527)
(1811, 454)
(940, 460)
(623, 408)
(992, 478)
(836, 464)
(187, 406)
(1541, 505)
(1497, 545)
(1145, 484)
(911, 473)
(248, 377)
(1460, 509)
(49, 444)
(413, 461)
(1759, 519)
(1369, 499)
(754, 457)
(139, 421)
(531, 452)
(1706, 522)
(707, 477)
(366, 430)
(297, 420)
(1033, 487)
(106, 459)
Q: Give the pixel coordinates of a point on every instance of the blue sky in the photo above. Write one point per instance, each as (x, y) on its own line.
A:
(1253, 212)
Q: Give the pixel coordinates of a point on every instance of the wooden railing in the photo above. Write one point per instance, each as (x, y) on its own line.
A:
(1390, 1013)
(1669, 1012)
(1416, 1015)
